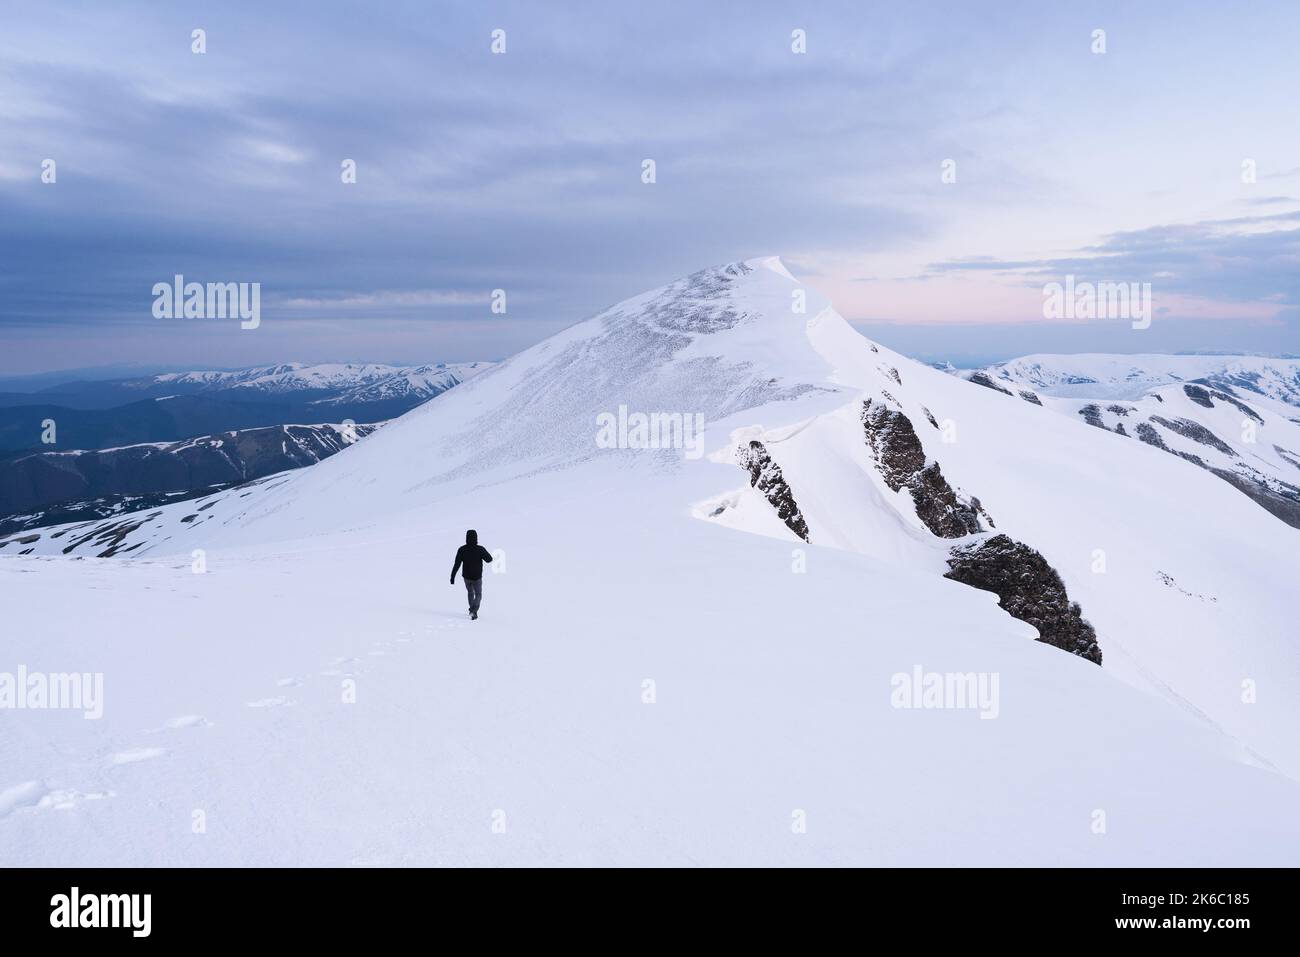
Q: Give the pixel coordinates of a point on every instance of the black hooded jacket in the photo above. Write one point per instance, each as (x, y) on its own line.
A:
(472, 555)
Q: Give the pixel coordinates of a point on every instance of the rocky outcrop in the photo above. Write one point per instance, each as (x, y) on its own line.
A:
(900, 457)
(766, 476)
(1205, 397)
(984, 379)
(1196, 432)
(1092, 415)
(1149, 434)
(1198, 395)
(1028, 588)
(1031, 397)
(1282, 499)
(1288, 455)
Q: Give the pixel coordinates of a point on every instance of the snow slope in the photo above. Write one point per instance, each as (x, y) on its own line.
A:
(627, 576)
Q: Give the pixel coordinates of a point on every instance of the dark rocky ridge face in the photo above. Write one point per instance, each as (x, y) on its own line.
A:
(900, 457)
(1198, 395)
(984, 379)
(1026, 585)
(1092, 415)
(1196, 432)
(1028, 588)
(766, 476)
(1205, 397)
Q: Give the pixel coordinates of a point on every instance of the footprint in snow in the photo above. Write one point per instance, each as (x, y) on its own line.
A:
(288, 683)
(276, 702)
(136, 755)
(38, 797)
(189, 721)
(181, 721)
(64, 799)
(21, 795)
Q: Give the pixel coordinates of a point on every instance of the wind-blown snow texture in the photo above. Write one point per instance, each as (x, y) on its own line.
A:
(665, 672)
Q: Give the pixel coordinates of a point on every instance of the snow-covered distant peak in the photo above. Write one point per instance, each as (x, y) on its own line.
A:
(1107, 376)
(417, 382)
(221, 379)
(353, 378)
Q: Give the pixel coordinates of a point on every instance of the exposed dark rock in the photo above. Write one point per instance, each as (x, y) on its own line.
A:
(1092, 415)
(1028, 588)
(930, 416)
(900, 457)
(1030, 397)
(893, 374)
(1288, 455)
(1198, 395)
(1120, 410)
(1119, 429)
(1279, 498)
(1196, 432)
(1169, 581)
(984, 379)
(766, 476)
(111, 535)
(1148, 434)
(1242, 407)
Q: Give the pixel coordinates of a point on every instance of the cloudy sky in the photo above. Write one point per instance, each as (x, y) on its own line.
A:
(523, 171)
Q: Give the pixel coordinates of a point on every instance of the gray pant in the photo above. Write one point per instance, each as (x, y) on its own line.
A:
(474, 588)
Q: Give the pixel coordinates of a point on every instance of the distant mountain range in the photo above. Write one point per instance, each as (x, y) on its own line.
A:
(1234, 416)
(1100, 375)
(46, 488)
(138, 442)
(175, 406)
(347, 382)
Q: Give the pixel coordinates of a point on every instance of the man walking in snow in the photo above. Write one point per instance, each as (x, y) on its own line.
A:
(471, 555)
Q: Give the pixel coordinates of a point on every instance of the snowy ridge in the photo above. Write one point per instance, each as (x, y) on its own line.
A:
(363, 381)
(665, 668)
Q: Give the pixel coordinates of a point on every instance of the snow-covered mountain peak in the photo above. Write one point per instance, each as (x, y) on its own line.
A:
(832, 516)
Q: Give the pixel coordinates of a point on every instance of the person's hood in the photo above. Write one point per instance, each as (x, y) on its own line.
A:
(471, 537)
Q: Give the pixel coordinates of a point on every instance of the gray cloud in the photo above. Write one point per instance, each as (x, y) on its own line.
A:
(1252, 259)
(518, 171)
